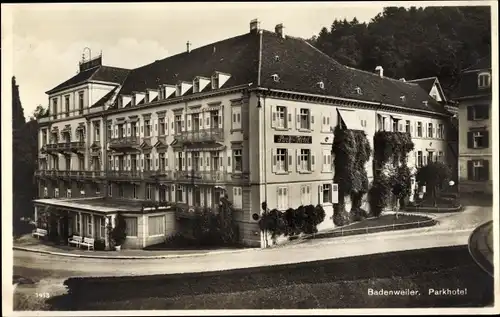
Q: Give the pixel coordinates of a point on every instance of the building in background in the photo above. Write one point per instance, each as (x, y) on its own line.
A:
(475, 149)
(250, 117)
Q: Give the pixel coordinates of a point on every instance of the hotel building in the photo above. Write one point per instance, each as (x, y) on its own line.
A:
(251, 117)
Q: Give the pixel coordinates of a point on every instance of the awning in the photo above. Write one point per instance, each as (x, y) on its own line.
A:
(350, 119)
(197, 147)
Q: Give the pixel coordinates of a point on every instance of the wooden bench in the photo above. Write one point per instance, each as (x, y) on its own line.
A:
(76, 240)
(88, 242)
(38, 232)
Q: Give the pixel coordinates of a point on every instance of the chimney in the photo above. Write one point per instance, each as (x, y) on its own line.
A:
(188, 47)
(279, 30)
(380, 71)
(254, 26)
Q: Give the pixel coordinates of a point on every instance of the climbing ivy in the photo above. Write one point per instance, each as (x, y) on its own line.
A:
(352, 151)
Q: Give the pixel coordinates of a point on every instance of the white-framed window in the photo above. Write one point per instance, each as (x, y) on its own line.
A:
(238, 197)
(236, 118)
(197, 122)
(408, 126)
(281, 121)
(484, 80)
(66, 105)
(281, 160)
(131, 226)
(478, 170)
(327, 161)
(419, 159)
(80, 102)
(54, 106)
(147, 162)
(216, 160)
(327, 193)
(305, 160)
(395, 125)
(90, 225)
(430, 130)
(149, 192)
(237, 160)
(381, 123)
(179, 193)
(282, 198)
(440, 131)
(101, 221)
(305, 195)
(419, 129)
(161, 126)
(305, 119)
(163, 161)
(215, 81)
(156, 225)
(479, 139)
(326, 123)
(147, 128)
(430, 157)
(78, 224)
(178, 124)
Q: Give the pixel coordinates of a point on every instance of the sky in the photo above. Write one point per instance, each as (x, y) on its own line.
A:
(48, 39)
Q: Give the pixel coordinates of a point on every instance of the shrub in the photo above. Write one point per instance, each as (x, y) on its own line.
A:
(118, 233)
(340, 215)
(379, 194)
(100, 245)
(434, 176)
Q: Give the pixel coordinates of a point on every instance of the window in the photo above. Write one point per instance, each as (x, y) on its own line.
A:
(147, 128)
(440, 157)
(161, 126)
(430, 156)
(196, 85)
(180, 161)
(149, 192)
(197, 196)
(419, 159)
(178, 124)
(305, 119)
(419, 129)
(281, 117)
(281, 160)
(237, 197)
(162, 162)
(78, 227)
(80, 102)
(478, 170)
(282, 198)
(97, 189)
(131, 229)
(179, 194)
(56, 192)
(109, 131)
(326, 124)
(478, 112)
(156, 225)
(305, 160)
(216, 161)
(479, 139)
(101, 221)
(97, 131)
(305, 195)
(121, 131)
(135, 191)
(54, 106)
(110, 190)
(440, 131)
(327, 193)
(81, 163)
(68, 163)
(484, 80)
(197, 122)
(68, 193)
(407, 126)
(430, 131)
(395, 125)
(90, 225)
(66, 105)
(236, 118)
(121, 192)
(215, 119)
(327, 160)
(147, 162)
(215, 82)
(44, 137)
(383, 120)
(237, 160)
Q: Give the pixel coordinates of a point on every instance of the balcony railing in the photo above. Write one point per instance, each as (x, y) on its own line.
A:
(141, 175)
(205, 135)
(65, 146)
(124, 142)
(74, 174)
(203, 176)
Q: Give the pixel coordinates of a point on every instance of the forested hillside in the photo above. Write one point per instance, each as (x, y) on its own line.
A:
(412, 43)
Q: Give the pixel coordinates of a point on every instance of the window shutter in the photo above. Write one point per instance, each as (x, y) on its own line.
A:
(189, 123)
(229, 166)
(172, 129)
(221, 117)
(182, 123)
(470, 171)
(290, 161)
(470, 140)
(273, 117)
(155, 122)
(416, 159)
(297, 154)
(486, 139)
(289, 114)
(298, 119)
(311, 126)
(116, 132)
(274, 158)
(166, 125)
(485, 170)
(313, 162)
(470, 113)
(320, 194)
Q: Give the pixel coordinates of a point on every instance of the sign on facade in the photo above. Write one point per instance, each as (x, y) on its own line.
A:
(305, 139)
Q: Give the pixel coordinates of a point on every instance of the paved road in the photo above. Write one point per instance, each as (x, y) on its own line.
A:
(453, 229)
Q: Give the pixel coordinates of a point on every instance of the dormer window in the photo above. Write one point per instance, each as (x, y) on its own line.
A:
(275, 77)
(321, 85)
(403, 98)
(215, 81)
(484, 80)
(277, 58)
(196, 85)
(425, 102)
(358, 90)
(178, 90)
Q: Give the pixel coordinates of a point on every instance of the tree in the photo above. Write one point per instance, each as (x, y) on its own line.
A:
(119, 232)
(434, 176)
(38, 113)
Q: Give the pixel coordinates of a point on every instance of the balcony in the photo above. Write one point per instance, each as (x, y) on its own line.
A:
(203, 177)
(124, 143)
(78, 146)
(140, 175)
(201, 136)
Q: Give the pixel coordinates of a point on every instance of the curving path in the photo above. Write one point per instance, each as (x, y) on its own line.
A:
(453, 229)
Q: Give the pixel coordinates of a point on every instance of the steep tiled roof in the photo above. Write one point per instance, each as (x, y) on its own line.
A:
(468, 85)
(425, 83)
(300, 67)
(99, 73)
(237, 56)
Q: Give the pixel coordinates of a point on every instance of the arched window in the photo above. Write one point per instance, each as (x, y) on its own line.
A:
(484, 80)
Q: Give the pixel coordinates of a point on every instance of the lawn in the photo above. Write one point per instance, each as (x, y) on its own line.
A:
(337, 283)
(386, 220)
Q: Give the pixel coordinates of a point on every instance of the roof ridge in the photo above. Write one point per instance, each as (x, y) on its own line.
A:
(384, 77)
(419, 79)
